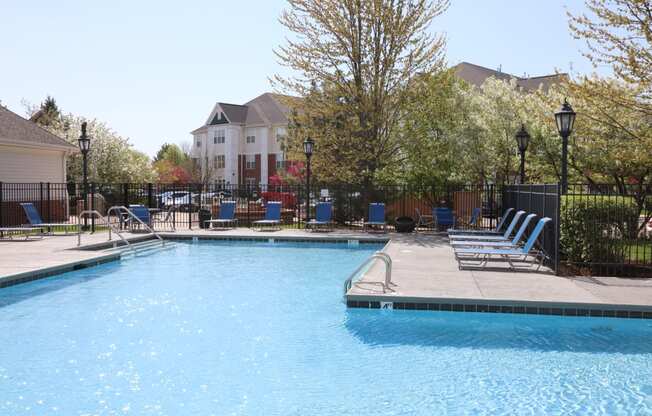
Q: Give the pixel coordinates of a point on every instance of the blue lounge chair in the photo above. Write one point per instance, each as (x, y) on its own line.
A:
(226, 217)
(497, 230)
(497, 244)
(324, 213)
(505, 237)
(140, 212)
(443, 217)
(376, 216)
(479, 257)
(35, 220)
(272, 216)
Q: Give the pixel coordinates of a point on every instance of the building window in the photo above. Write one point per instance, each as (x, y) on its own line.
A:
(250, 162)
(198, 142)
(218, 162)
(279, 161)
(250, 182)
(280, 137)
(219, 137)
(220, 182)
(251, 139)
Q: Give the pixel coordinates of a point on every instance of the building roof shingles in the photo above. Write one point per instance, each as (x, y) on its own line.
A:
(16, 129)
(477, 75)
(265, 109)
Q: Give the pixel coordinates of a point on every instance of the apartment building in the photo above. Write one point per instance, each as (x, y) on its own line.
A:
(242, 144)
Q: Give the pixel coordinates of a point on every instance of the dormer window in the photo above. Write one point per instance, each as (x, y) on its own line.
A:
(219, 118)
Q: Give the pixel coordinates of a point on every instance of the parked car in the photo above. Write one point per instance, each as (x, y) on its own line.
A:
(180, 200)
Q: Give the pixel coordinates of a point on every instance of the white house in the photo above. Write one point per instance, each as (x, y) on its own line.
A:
(242, 144)
(29, 153)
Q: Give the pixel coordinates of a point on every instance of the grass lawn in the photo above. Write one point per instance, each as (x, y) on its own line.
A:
(640, 251)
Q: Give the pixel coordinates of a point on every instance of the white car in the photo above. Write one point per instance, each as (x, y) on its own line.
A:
(181, 200)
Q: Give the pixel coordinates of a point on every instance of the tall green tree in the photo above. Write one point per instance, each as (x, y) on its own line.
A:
(354, 61)
(112, 158)
(47, 114)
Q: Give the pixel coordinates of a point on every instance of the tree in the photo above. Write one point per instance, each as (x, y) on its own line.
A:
(111, 158)
(355, 60)
(172, 164)
(48, 114)
(618, 33)
(172, 153)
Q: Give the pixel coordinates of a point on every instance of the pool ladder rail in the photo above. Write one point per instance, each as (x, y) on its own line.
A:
(118, 210)
(386, 285)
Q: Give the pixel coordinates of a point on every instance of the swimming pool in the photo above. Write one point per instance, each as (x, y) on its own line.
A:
(250, 328)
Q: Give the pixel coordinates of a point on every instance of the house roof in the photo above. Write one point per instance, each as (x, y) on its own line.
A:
(16, 129)
(234, 112)
(477, 75)
(267, 108)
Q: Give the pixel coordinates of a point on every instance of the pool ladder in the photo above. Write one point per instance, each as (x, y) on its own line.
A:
(117, 210)
(386, 259)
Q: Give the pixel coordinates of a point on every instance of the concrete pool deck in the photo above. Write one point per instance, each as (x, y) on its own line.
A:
(425, 275)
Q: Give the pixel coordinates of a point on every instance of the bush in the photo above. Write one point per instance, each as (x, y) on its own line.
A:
(596, 228)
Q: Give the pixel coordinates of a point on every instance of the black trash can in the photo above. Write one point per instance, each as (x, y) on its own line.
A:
(204, 215)
(404, 224)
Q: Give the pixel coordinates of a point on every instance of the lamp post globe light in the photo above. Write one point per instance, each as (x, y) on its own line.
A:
(84, 146)
(522, 139)
(565, 119)
(308, 147)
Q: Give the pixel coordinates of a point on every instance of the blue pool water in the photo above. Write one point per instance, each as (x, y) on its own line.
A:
(237, 328)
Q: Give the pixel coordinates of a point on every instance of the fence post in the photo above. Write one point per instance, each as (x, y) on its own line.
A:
(189, 194)
(1, 204)
(492, 197)
(47, 194)
(125, 194)
(149, 195)
(557, 228)
(40, 196)
(92, 206)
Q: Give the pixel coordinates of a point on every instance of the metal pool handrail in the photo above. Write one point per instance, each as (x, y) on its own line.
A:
(388, 271)
(119, 208)
(96, 214)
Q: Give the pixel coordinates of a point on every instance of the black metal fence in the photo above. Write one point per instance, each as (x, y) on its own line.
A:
(185, 206)
(598, 229)
(542, 200)
(607, 229)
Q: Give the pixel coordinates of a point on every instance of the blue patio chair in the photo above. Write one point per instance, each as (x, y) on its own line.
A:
(480, 257)
(443, 217)
(324, 214)
(485, 237)
(497, 244)
(142, 213)
(272, 216)
(226, 216)
(35, 220)
(376, 216)
(497, 230)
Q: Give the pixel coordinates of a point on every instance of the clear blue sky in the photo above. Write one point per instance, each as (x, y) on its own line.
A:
(153, 69)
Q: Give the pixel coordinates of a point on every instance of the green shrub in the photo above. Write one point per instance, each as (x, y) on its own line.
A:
(596, 228)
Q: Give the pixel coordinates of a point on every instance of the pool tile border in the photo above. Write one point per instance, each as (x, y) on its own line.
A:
(503, 308)
(24, 277)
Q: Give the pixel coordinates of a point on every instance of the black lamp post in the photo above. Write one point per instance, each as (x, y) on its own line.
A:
(565, 119)
(85, 146)
(522, 139)
(308, 147)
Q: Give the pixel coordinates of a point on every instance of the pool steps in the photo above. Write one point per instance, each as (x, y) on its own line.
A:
(142, 248)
